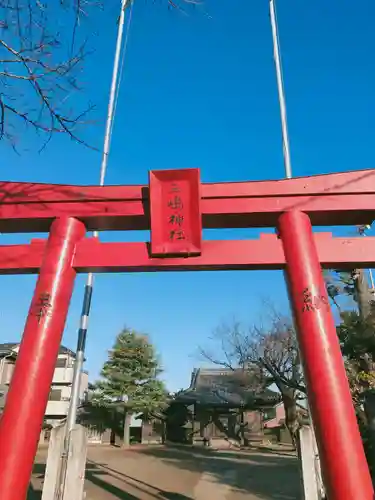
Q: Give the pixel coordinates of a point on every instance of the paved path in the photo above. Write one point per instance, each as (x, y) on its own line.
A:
(173, 474)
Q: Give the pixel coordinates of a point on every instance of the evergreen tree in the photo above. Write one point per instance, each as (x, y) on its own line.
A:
(356, 334)
(130, 379)
(357, 340)
(353, 284)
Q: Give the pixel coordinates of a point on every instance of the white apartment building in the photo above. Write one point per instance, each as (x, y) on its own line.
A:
(60, 394)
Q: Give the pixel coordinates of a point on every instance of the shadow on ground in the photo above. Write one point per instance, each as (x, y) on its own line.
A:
(97, 474)
(270, 476)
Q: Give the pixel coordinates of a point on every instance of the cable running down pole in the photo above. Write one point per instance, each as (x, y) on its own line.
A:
(280, 88)
(82, 332)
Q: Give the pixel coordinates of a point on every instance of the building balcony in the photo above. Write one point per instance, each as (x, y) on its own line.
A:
(63, 376)
(6, 372)
(57, 408)
(3, 395)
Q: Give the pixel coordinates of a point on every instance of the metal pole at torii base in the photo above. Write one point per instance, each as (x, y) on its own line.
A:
(345, 468)
(82, 332)
(81, 342)
(315, 478)
(280, 89)
(344, 465)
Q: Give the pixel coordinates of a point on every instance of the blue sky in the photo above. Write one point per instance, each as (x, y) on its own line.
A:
(200, 91)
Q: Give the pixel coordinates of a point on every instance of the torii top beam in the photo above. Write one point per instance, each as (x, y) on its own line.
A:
(329, 200)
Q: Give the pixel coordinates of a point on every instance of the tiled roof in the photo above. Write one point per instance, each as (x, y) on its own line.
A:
(218, 387)
(6, 348)
(10, 346)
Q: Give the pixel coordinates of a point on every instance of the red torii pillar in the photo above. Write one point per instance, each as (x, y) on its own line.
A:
(21, 422)
(344, 466)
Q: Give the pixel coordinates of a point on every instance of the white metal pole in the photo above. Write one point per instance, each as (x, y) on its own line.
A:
(362, 231)
(313, 486)
(280, 88)
(371, 280)
(112, 95)
(80, 352)
(78, 364)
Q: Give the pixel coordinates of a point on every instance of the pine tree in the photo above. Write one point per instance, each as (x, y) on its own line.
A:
(130, 378)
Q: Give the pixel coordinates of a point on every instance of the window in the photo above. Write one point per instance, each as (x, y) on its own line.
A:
(55, 395)
(269, 414)
(61, 363)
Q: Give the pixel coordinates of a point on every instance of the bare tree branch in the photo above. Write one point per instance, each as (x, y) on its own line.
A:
(273, 349)
(43, 48)
(41, 59)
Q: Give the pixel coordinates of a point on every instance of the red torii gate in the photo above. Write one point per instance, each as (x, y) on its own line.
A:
(175, 206)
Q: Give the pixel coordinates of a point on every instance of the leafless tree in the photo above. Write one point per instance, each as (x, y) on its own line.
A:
(276, 350)
(273, 349)
(42, 52)
(43, 48)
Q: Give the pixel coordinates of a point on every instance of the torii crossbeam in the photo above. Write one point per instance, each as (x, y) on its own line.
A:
(176, 207)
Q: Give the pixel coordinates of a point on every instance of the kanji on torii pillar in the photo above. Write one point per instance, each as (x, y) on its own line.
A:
(176, 206)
